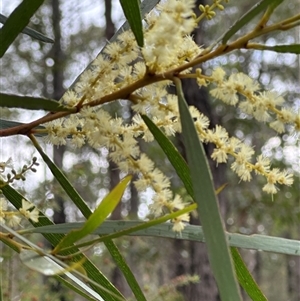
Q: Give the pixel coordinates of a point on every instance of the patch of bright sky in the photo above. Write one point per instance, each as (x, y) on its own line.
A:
(87, 13)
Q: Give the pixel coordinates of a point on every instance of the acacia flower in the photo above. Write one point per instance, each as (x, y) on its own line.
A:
(263, 106)
(270, 188)
(13, 220)
(57, 133)
(278, 126)
(7, 164)
(163, 39)
(277, 176)
(3, 208)
(262, 165)
(29, 214)
(179, 222)
(70, 99)
(219, 155)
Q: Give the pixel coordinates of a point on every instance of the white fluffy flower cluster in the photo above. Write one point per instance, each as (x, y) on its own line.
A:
(263, 106)
(167, 40)
(140, 75)
(12, 218)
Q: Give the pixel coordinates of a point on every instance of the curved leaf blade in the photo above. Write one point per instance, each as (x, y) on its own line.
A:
(30, 103)
(16, 22)
(106, 207)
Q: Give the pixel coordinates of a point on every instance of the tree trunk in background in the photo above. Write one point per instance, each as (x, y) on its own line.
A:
(257, 267)
(58, 152)
(134, 200)
(293, 277)
(114, 176)
(58, 90)
(110, 26)
(117, 277)
(196, 263)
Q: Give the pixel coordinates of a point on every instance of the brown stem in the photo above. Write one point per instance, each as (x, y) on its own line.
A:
(25, 129)
(124, 93)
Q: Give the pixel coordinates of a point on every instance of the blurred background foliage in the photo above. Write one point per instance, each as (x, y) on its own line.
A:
(163, 267)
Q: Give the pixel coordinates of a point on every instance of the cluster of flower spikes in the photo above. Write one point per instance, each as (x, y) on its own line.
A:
(167, 44)
(263, 106)
(28, 210)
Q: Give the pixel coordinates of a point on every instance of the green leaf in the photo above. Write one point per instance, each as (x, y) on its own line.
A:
(245, 278)
(272, 7)
(190, 232)
(292, 48)
(74, 288)
(106, 207)
(63, 181)
(1, 292)
(245, 19)
(146, 7)
(51, 266)
(132, 12)
(138, 227)
(16, 22)
(205, 197)
(41, 264)
(6, 124)
(10, 244)
(93, 273)
(41, 261)
(82, 206)
(172, 153)
(30, 103)
(30, 32)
